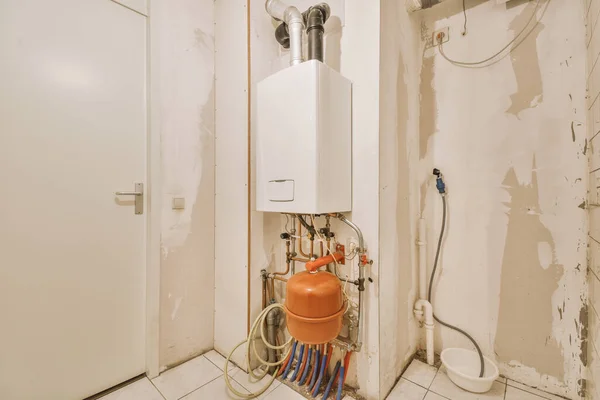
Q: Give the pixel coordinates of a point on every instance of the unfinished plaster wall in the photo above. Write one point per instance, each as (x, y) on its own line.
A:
(510, 139)
(592, 12)
(185, 114)
(398, 188)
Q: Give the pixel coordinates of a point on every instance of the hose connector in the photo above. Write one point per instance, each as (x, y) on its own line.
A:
(439, 181)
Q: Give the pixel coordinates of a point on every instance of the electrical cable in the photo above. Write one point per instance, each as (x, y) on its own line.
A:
(250, 342)
(478, 64)
(287, 221)
(435, 265)
(309, 228)
(320, 237)
(464, 32)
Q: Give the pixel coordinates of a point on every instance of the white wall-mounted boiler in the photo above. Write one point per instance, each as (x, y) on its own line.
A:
(304, 141)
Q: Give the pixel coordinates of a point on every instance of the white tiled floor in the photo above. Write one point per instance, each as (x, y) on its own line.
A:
(423, 382)
(200, 379)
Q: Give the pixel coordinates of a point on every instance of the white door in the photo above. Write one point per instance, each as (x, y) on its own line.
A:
(72, 259)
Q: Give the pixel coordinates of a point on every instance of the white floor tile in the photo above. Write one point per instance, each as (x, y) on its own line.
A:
(406, 390)
(179, 381)
(534, 391)
(444, 386)
(420, 373)
(284, 393)
(139, 390)
(216, 358)
(251, 385)
(434, 396)
(216, 390)
(513, 393)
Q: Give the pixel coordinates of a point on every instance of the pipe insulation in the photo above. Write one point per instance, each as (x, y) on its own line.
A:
(295, 25)
(272, 325)
(423, 309)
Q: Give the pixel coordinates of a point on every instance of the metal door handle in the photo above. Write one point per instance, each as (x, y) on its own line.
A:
(129, 193)
(139, 197)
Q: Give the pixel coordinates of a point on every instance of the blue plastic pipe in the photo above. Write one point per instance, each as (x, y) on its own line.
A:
(298, 364)
(340, 383)
(315, 372)
(306, 367)
(328, 388)
(287, 368)
(321, 373)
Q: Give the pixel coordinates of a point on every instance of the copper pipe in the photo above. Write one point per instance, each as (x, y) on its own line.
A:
(329, 266)
(300, 250)
(288, 260)
(312, 247)
(304, 260)
(264, 294)
(280, 278)
(293, 249)
(322, 250)
(272, 289)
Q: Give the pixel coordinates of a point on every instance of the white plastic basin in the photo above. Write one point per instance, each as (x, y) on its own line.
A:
(463, 367)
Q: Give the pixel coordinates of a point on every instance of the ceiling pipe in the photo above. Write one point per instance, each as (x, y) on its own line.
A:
(295, 26)
(316, 16)
(415, 5)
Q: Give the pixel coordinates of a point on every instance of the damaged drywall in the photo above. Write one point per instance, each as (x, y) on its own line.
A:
(509, 141)
(524, 60)
(428, 120)
(524, 330)
(589, 319)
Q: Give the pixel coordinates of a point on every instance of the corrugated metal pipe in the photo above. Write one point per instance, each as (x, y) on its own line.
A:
(414, 5)
(316, 16)
(295, 26)
(272, 322)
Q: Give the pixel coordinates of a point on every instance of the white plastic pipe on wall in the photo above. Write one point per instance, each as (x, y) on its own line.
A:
(295, 22)
(426, 306)
(423, 309)
(421, 241)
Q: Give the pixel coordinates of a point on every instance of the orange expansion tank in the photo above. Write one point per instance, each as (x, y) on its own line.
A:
(314, 303)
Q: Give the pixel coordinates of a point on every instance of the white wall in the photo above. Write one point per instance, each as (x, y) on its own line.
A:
(231, 159)
(510, 140)
(398, 188)
(183, 108)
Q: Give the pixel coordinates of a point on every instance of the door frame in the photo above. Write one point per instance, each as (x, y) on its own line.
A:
(154, 203)
(153, 189)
